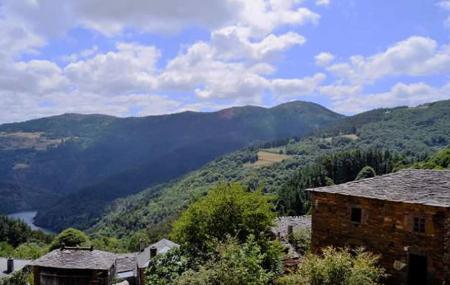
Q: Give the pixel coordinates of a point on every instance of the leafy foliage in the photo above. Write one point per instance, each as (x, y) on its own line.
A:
(236, 264)
(69, 237)
(18, 278)
(18, 240)
(330, 169)
(164, 269)
(300, 239)
(440, 160)
(366, 172)
(337, 267)
(227, 210)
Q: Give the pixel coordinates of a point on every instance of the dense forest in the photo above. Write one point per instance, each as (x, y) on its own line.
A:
(395, 137)
(73, 163)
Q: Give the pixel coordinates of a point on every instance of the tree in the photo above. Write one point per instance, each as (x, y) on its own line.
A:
(70, 237)
(237, 264)
(164, 269)
(366, 172)
(228, 210)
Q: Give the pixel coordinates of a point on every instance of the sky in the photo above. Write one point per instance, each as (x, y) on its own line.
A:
(150, 57)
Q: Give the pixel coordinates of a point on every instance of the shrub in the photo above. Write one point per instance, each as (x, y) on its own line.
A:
(301, 240)
(236, 264)
(70, 237)
(337, 267)
(165, 268)
(366, 172)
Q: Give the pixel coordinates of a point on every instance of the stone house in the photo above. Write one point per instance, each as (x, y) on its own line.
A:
(86, 266)
(75, 265)
(404, 217)
(147, 253)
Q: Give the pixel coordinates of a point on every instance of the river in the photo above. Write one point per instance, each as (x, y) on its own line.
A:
(28, 218)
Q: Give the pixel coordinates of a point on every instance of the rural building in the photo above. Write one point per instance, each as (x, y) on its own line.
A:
(9, 266)
(143, 257)
(86, 266)
(75, 265)
(403, 216)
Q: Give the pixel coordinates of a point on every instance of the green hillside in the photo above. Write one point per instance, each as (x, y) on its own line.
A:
(409, 133)
(79, 163)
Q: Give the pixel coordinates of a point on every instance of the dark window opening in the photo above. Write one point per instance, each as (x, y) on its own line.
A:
(419, 225)
(356, 215)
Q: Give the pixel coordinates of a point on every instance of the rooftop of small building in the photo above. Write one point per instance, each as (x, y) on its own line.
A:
(417, 186)
(161, 246)
(19, 264)
(77, 258)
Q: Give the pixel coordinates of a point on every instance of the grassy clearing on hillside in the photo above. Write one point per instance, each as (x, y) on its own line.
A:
(267, 158)
(352, 137)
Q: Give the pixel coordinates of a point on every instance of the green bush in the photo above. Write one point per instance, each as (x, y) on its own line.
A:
(237, 264)
(366, 172)
(337, 267)
(301, 240)
(164, 269)
(70, 237)
(227, 210)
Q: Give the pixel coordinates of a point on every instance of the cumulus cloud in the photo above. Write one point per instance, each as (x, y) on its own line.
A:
(288, 88)
(415, 56)
(53, 17)
(234, 42)
(322, 2)
(445, 5)
(128, 70)
(324, 58)
(400, 94)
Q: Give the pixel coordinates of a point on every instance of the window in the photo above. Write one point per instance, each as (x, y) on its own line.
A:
(356, 215)
(419, 224)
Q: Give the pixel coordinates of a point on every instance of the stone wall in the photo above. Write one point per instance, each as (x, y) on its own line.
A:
(386, 229)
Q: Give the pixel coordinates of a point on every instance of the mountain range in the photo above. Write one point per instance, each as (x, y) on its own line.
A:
(410, 134)
(70, 167)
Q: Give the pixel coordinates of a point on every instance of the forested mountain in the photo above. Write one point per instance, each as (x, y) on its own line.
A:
(383, 138)
(69, 166)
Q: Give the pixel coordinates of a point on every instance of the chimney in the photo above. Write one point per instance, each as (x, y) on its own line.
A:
(153, 251)
(10, 265)
(290, 230)
(141, 246)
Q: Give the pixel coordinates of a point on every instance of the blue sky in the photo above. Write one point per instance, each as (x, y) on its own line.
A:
(146, 57)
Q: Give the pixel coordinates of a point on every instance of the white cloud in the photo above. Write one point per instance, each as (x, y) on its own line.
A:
(263, 16)
(36, 77)
(289, 88)
(54, 17)
(128, 70)
(324, 58)
(400, 94)
(234, 43)
(415, 56)
(16, 39)
(337, 91)
(445, 5)
(322, 2)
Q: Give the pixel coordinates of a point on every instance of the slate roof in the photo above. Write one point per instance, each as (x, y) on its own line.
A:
(427, 187)
(19, 264)
(162, 246)
(77, 259)
(126, 262)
